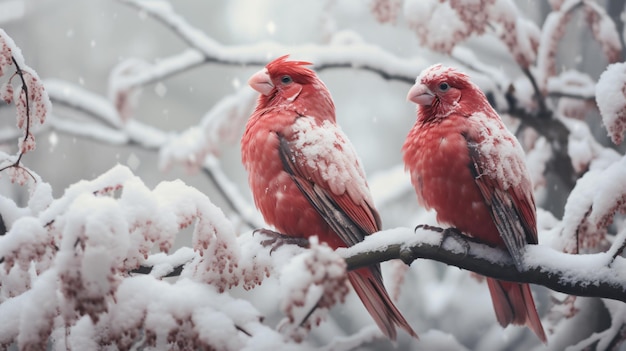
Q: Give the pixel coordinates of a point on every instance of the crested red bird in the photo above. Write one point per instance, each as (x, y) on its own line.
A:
(470, 169)
(306, 178)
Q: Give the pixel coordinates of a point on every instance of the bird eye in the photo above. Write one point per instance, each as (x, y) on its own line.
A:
(286, 79)
(444, 86)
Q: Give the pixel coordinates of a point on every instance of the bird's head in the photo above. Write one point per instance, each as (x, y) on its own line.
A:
(289, 82)
(440, 91)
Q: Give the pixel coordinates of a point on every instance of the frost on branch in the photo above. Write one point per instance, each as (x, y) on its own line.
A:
(31, 101)
(386, 11)
(220, 126)
(576, 84)
(611, 100)
(313, 281)
(591, 206)
(65, 264)
(123, 95)
(604, 31)
(554, 27)
(425, 18)
(466, 18)
(552, 32)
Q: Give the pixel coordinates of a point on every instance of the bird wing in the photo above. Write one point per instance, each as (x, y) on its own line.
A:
(326, 169)
(512, 208)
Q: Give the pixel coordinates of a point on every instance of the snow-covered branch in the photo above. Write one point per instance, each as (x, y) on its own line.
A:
(591, 275)
(133, 132)
(204, 49)
(598, 275)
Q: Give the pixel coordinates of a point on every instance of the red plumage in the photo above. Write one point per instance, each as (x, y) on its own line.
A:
(306, 178)
(470, 169)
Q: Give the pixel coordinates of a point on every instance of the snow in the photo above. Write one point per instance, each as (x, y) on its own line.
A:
(326, 151)
(65, 93)
(56, 273)
(36, 316)
(10, 312)
(425, 18)
(573, 83)
(597, 196)
(592, 268)
(501, 153)
(163, 264)
(107, 226)
(88, 130)
(584, 150)
(314, 280)
(610, 98)
(553, 29)
(604, 31)
(219, 127)
(188, 147)
(122, 95)
(406, 238)
(436, 340)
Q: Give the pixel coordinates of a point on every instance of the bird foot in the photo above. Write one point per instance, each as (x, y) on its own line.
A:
(457, 235)
(276, 239)
(428, 227)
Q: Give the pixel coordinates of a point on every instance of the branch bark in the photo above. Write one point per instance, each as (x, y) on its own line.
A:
(593, 275)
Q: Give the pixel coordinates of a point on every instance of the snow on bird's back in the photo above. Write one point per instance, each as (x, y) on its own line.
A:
(326, 152)
(501, 154)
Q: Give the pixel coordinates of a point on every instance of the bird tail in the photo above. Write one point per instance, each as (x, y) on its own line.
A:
(514, 304)
(370, 289)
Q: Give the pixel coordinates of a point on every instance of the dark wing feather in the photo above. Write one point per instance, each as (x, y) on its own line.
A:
(349, 232)
(511, 211)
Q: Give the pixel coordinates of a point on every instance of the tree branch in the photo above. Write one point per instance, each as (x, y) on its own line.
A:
(593, 275)
(554, 131)
(580, 275)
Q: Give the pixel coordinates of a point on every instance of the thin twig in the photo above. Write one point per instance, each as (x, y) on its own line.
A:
(16, 164)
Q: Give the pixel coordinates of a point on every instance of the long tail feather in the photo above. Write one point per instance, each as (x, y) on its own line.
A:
(372, 293)
(514, 304)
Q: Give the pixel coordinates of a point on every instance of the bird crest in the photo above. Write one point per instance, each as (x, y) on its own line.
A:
(296, 69)
(440, 73)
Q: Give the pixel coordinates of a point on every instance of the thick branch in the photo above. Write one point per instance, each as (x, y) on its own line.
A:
(594, 275)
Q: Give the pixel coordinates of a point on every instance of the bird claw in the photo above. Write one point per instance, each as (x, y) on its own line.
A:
(457, 235)
(450, 232)
(428, 227)
(276, 239)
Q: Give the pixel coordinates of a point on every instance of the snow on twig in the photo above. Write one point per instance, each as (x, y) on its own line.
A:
(604, 30)
(69, 262)
(137, 133)
(31, 103)
(610, 96)
(551, 33)
(204, 49)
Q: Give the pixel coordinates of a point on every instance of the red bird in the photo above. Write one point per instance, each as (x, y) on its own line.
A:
(306, 178)
(470, 169)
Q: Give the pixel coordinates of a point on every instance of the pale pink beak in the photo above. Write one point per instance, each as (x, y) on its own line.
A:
(261, 82)
(420, 94)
